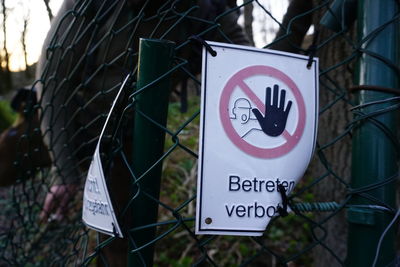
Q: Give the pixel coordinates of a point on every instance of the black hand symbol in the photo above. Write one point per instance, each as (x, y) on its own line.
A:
(273, 122)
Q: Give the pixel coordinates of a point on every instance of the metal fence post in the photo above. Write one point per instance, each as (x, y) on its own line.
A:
(155, 59)
(374, 153)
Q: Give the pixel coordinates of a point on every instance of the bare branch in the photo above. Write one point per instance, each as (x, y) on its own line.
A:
(49, 11)
(23, 42)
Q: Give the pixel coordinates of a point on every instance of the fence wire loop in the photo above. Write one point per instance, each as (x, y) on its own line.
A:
(382, 89)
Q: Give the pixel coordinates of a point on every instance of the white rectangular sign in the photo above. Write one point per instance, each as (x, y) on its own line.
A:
(258, 130)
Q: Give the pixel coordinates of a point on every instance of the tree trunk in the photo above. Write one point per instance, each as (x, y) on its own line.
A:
(6, 55)
(6, 60)
(24, 46)
(333, 161)
(248, 22)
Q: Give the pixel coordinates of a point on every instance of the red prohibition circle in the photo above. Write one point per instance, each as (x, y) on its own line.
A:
(238, 80)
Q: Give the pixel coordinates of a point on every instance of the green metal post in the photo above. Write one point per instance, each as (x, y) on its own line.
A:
(155, 59)
(374, 154)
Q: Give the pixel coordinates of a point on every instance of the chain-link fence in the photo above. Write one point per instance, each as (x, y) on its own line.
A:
(91, 48)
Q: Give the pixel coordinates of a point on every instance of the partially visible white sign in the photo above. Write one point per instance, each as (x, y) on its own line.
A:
(98, 212)
(258, 130)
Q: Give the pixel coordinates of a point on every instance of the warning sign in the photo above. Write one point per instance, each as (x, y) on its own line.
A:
(245, 116)
(257, 135)
(97, 211)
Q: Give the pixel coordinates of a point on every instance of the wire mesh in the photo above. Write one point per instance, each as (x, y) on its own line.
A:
(91, 48)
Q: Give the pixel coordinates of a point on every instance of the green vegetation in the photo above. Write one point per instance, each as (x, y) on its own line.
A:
(284, 236)
(7, 115)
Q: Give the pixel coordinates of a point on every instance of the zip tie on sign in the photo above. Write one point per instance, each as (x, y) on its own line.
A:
(312, 49)
(283, 210)
(201, 41)
(115, 233)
